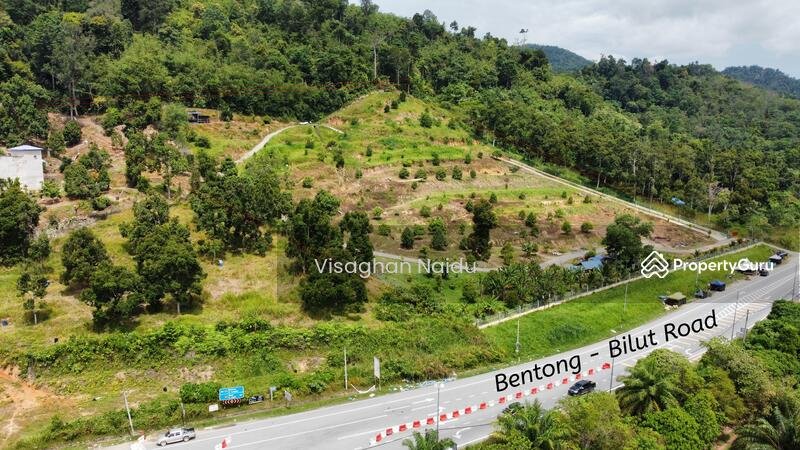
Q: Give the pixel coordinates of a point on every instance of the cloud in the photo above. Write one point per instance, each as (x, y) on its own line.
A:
(720, 32)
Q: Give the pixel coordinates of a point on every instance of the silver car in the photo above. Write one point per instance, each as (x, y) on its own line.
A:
(176, 435)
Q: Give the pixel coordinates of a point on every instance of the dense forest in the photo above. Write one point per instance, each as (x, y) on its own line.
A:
(654, 131)
(561, 59)
(768, 78)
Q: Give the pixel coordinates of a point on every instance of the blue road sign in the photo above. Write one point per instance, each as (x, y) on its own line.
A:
(231, 393)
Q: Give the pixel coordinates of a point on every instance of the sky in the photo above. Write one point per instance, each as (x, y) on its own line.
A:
(718, 32)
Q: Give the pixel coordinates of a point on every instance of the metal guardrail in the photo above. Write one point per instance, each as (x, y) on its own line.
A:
(558, 299)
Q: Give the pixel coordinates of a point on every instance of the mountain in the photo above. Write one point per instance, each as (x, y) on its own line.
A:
(772, 79)
(561, 59)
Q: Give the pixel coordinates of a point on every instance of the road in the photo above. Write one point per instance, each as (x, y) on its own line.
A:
(355, 425)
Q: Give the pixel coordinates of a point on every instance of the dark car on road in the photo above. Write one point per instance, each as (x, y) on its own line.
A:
(582, 387)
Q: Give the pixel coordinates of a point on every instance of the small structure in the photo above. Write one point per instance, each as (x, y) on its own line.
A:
(595, 262)
(717, 285)
(675, 299)
(27, 150)
(28, 169)
(677, 202)
(197, 117)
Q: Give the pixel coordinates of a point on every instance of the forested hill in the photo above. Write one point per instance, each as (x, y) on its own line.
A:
(767, 78)
(687, 130)
(561, 59)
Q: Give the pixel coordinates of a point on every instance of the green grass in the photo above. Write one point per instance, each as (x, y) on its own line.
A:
(592, 318)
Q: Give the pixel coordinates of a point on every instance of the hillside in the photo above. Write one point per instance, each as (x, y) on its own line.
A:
(767, 78)
(561, 59)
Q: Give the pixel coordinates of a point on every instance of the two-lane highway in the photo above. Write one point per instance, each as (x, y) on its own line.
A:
(355, 425)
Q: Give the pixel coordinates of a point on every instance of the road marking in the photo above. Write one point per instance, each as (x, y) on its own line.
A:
(429, 399)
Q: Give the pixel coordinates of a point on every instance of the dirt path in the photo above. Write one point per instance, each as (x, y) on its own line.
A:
(714, 234)
(269, 137)
(19, 400)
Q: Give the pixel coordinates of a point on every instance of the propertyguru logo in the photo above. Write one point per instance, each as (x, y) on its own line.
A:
(656, 264)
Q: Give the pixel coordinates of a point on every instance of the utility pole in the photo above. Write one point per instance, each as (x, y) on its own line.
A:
(611, 383)
(735, 309)
(128, 409)
(625, 304)
(345, 368)
(746, 318)
(516, 345)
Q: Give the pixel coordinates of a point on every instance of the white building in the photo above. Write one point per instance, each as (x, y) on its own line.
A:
(28, 169)
(26, 150)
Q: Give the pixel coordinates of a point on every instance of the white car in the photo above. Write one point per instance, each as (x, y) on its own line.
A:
(176, 435)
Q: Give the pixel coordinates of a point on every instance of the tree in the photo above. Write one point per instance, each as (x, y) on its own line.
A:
(407, 238)
(173, 120)
(240, 209)
(168, 265)
(112, 292)
(72, 133)
(72, 55)
(679, 429)
(533, 425)
(81, 254)
(19, 216)
(325, 291)
(438, 232)
(780, 430)
(32, 285)
(428, 441)
(310, 231)
(647, 389)
(355, 228)
(596, 422)
(623, 241)
(88, 177)
(22, 110)
(483, 221)
(426, 120)
(566, 227)
(507, 253)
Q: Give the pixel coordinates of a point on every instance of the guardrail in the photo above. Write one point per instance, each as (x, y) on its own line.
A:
(558, 299)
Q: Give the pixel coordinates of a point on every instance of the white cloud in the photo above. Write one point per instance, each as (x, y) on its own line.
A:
(721, 32)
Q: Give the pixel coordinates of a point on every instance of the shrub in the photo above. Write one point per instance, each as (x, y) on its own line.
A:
(493, 198)
(51, 189)
(407, 238)
(100, 203)
(200, 392)
(435, 160)
(473, 174)
(456, 173)
(426, 120)
(566, 227)
(587, 227)
(441, 174)
(72, 133)
(425, 211)
(359, 174)
(404, 173)
(202, 142)
(377, 213)
(384, 230)
(387, 108)
(468, 158)
(421, 174)
(308, 182)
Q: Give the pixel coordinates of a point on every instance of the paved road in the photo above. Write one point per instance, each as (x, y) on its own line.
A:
(353, 425)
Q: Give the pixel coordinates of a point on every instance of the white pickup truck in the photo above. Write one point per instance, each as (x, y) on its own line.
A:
(176, 435)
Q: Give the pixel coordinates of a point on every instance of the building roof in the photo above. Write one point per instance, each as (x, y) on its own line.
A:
(25, 147)
(28, 169)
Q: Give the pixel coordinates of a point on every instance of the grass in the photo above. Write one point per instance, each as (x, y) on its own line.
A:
(599, 316)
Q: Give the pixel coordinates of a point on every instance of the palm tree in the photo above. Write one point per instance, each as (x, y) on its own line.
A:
(647, 389)
(534, 424)
(428, 441)
(780, 431)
